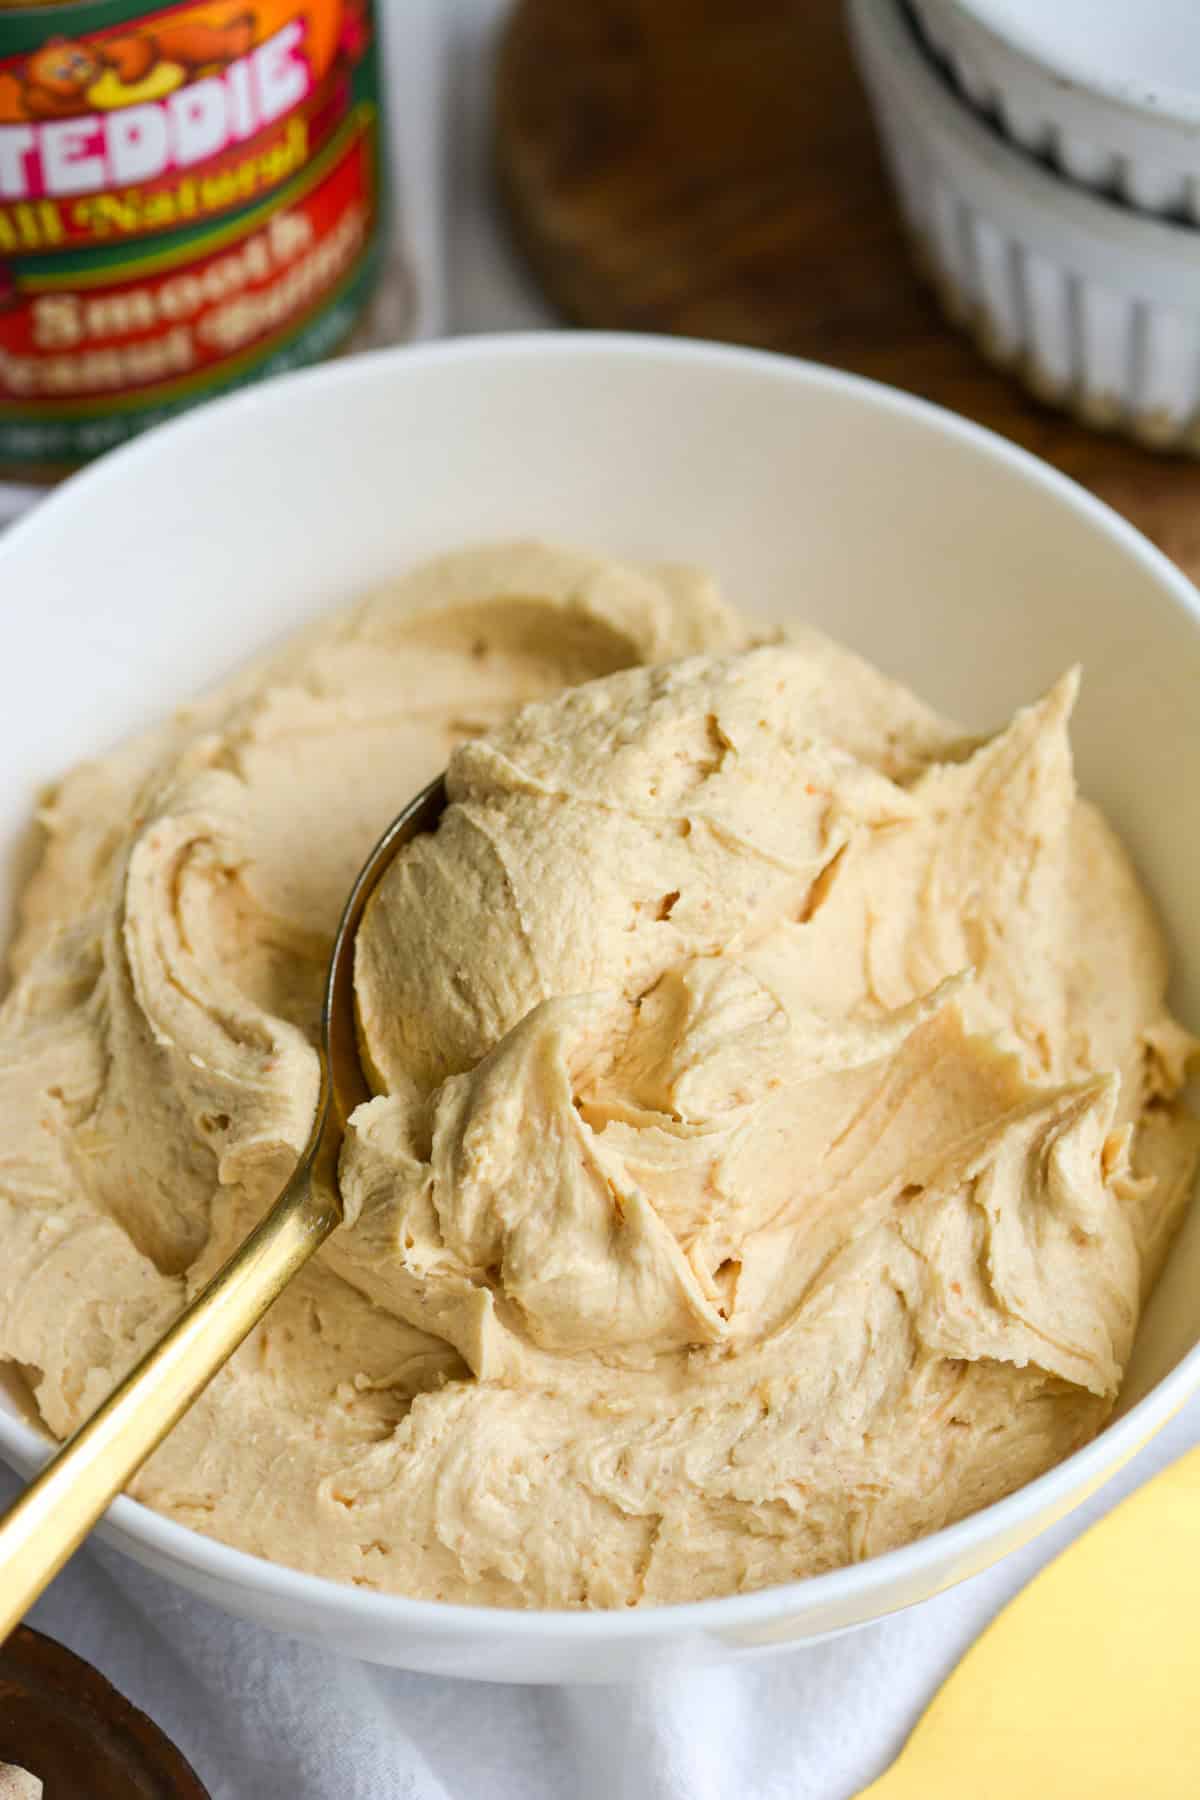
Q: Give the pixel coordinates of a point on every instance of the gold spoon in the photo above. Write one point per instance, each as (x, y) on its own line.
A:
(63, 1502)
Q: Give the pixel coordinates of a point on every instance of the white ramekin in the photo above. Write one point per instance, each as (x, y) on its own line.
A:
(952, 559)
(1080, 88)
(1096, 306)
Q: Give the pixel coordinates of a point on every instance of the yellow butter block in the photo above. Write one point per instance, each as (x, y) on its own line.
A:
(1087, 1686)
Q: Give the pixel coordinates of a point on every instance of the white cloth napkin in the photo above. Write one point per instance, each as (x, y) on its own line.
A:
(263, 1718)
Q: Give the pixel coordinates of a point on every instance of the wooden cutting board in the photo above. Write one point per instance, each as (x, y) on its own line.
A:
(709, 167)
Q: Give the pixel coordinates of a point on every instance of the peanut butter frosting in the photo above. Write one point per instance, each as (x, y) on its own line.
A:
(775, 1133)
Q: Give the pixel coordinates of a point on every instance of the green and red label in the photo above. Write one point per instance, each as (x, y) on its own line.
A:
(189, 199)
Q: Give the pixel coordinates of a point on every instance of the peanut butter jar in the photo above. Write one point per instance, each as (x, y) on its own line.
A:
(191, 198)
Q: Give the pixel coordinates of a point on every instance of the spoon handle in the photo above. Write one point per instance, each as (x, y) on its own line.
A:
(59, 1507)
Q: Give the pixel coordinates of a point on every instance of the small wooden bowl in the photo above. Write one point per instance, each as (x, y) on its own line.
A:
(61, 1720)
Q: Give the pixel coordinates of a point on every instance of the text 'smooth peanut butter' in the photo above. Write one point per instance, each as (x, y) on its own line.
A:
(189, 200)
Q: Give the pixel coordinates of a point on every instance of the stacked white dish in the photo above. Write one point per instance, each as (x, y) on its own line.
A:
(1049, 174)
(1109, 93)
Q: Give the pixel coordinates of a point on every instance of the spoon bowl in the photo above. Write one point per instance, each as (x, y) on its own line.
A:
(60, 1506)
(344, 1086)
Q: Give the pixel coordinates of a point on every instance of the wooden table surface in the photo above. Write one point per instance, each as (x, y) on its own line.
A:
(709, 167)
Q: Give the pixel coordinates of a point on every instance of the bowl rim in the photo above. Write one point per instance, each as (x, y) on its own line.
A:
(1163, 106)
(1057, 1491)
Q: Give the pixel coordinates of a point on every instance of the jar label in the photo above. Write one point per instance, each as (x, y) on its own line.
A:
(187, 200)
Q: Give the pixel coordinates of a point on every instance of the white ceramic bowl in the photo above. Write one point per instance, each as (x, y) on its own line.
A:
(1095, 306)
(957, 562)
(1107, 90)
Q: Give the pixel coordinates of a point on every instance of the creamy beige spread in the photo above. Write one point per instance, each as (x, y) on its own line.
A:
(18, 1784)
(775, 1134)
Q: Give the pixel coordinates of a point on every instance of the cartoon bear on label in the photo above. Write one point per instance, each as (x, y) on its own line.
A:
(65, 78)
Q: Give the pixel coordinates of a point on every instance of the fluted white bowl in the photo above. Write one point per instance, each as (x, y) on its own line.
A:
(1095, 306)
(1106, 90)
